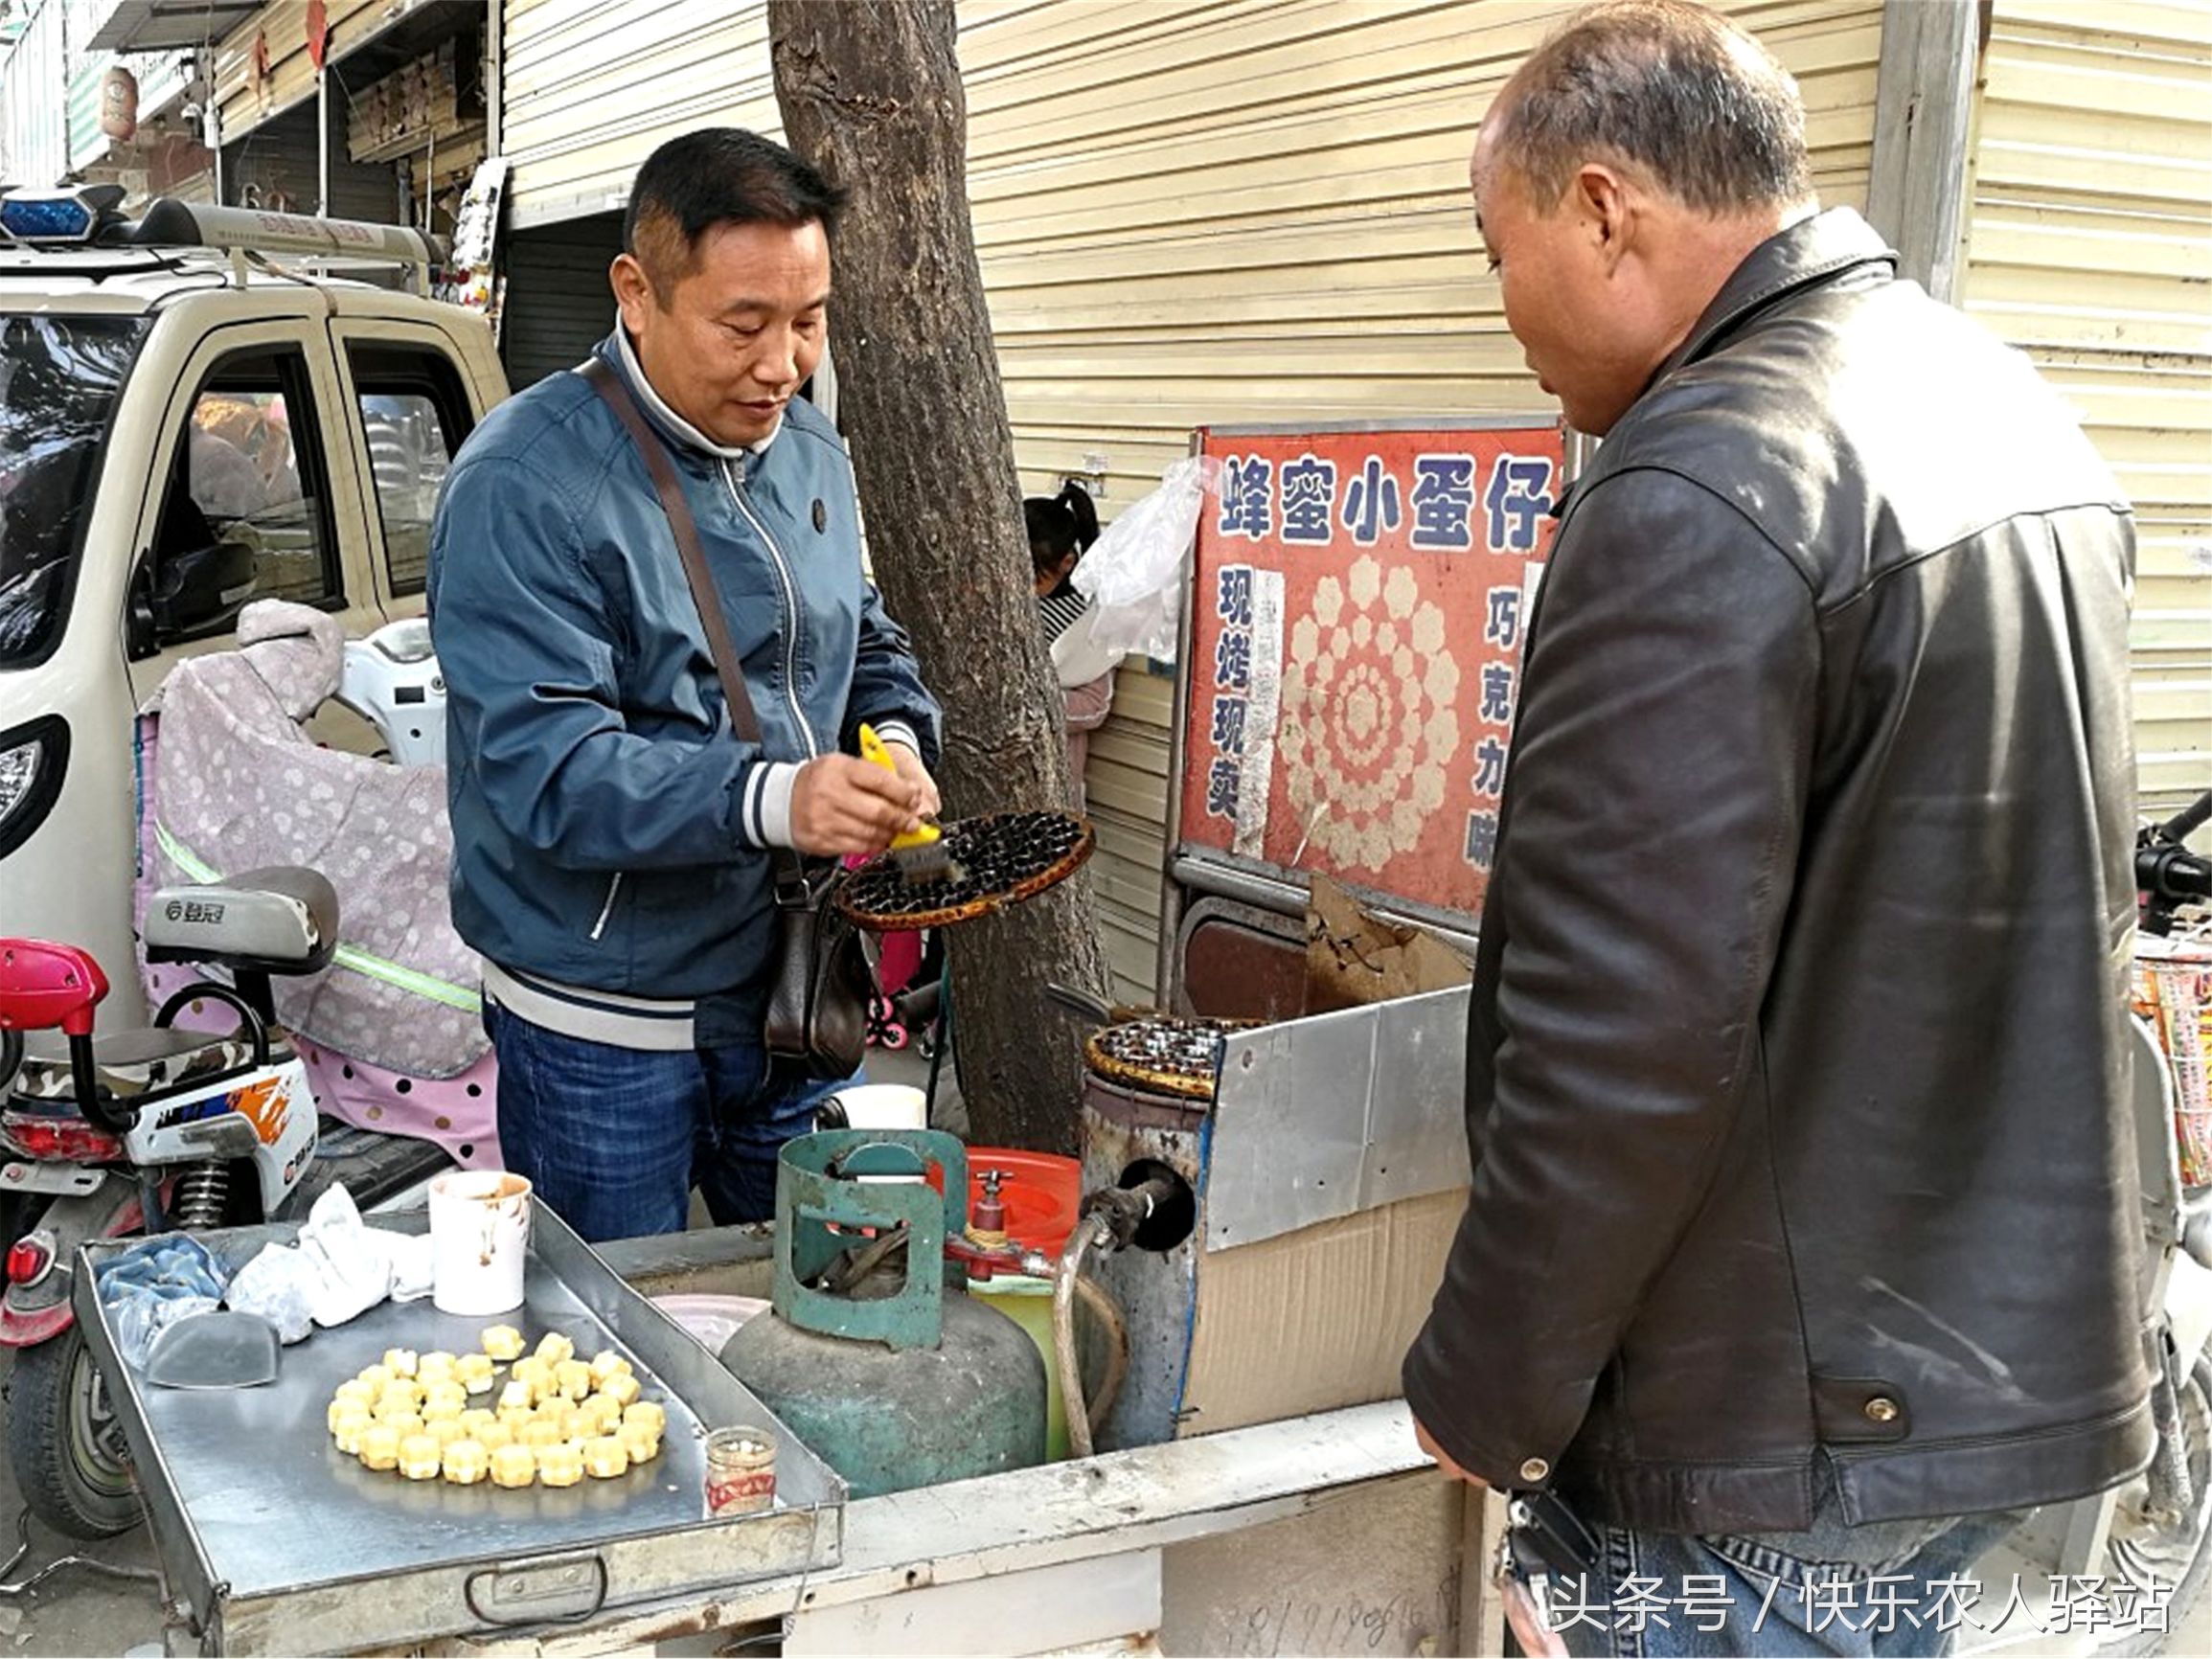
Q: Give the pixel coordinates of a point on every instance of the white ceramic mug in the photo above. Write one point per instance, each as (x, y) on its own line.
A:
(479, 1237)
(883, 1106)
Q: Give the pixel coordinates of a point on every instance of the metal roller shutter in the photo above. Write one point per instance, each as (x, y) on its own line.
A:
(558, 303)
(284, 156)
(33, 142)
(2090, 247)
(593, 86)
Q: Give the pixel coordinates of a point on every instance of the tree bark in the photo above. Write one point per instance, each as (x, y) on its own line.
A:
(871, 92)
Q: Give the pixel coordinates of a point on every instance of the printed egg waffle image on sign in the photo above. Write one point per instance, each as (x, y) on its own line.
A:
(1359, 602)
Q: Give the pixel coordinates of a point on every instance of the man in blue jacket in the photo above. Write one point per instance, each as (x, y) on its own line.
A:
(613, 834)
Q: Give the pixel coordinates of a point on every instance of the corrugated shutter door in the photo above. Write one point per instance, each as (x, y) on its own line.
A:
(558, 303)
(594, 86)
(1197, 213)
(33, 142)
(1126, 785)
(2090, 246)
(282, 160)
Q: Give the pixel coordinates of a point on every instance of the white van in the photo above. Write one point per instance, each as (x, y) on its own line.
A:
(187, 424)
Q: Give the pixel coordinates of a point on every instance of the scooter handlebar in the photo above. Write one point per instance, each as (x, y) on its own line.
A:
(2189, 819)
(2172, 872)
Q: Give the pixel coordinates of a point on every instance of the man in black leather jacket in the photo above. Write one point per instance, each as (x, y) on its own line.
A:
(1803, 1214)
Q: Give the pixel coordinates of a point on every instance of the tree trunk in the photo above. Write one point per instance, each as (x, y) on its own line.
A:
(871, 94)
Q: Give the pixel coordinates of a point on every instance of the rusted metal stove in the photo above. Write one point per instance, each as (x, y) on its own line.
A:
(1147, 1090)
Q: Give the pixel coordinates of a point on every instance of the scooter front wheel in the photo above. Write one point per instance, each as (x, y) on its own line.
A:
(65, 1443)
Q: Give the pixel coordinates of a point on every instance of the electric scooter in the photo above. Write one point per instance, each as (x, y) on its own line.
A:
(2153, 1535)
(166, 1129)
(172, 1128)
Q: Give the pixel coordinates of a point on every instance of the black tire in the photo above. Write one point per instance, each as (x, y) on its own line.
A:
(65, 1444)
(2179, 1554)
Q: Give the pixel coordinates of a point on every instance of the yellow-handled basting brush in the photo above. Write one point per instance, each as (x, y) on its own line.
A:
(918, 853)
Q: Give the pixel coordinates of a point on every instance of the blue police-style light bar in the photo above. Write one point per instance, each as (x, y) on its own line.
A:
(90, 213)
(48, 217)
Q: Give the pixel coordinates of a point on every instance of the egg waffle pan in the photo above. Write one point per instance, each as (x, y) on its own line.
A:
(1161, 1055)
(1000, 858)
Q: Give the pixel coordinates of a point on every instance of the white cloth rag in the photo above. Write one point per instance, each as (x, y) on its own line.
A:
(340, 1269)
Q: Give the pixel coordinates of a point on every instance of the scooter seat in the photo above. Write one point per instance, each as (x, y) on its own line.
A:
(132, 1065)
(281, 919)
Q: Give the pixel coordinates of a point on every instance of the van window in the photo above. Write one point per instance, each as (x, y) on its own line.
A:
(416, 413)
(249, 473)
(60, 377)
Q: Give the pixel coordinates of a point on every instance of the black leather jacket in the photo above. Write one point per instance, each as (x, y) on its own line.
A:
(1797, 1065)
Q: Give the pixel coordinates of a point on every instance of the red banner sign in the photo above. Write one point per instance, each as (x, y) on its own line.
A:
(1358, 604)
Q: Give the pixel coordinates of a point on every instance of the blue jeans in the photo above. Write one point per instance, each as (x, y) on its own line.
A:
(615, 1138)
(1894, 1589)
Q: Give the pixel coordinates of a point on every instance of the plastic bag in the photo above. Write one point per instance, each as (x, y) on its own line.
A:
(139, 1318)
(1134, 571)
(340, 1269)
(153, 1285)
(280, 1285)
(1077, 658)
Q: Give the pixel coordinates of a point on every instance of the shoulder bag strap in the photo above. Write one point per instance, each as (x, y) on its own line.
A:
(704, 594)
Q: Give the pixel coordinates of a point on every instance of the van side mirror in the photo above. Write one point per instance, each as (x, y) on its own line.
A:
(138, 634)
(189, 594)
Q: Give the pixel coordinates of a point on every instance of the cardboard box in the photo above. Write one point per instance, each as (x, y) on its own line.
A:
(1321, 1317)
(1315, 1319)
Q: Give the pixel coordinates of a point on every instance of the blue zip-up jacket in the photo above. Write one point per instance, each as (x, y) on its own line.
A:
(611, 832)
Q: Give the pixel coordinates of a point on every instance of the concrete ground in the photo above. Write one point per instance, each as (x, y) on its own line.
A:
(2038, 1631)
(77, 1611)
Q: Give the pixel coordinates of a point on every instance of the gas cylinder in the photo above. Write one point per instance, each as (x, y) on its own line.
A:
(874, 1355)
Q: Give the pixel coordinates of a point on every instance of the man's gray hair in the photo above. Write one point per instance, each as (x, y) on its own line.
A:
(1672, 89)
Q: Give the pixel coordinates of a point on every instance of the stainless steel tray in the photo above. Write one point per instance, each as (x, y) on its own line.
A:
(279, 1543)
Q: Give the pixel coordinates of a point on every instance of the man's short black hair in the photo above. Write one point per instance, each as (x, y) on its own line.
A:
(714, 176)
